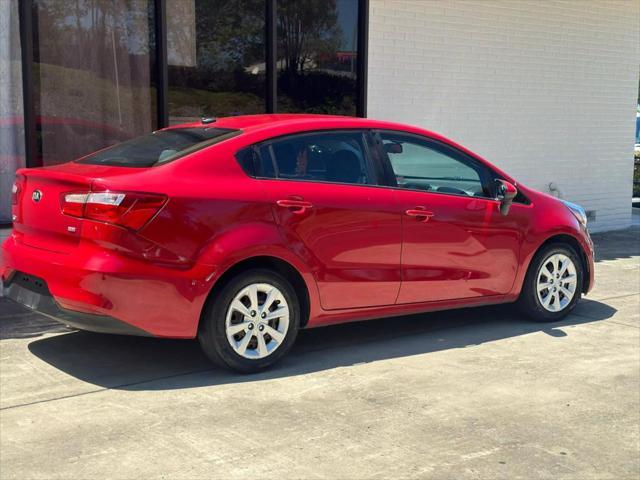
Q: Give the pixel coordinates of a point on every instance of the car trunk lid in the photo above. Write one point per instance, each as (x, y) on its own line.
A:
(38, 217)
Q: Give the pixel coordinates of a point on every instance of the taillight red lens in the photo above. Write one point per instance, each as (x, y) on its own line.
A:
(73, 203)
(127, 209)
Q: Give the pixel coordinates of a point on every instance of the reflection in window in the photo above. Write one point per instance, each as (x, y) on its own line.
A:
(159, 147)
(317, 59)
(216, 56)
(322, 157)
(11, 121)
(419, 166)
(93, 71)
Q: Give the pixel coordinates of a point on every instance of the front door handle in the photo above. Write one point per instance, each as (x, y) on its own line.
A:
(296, 206)
(421, 214)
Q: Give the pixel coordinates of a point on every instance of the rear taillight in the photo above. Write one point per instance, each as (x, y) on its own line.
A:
(16, 189)
(126, 209)
(73, 203)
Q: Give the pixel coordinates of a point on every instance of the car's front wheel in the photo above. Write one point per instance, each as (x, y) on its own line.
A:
(252, 321)
(553, 283)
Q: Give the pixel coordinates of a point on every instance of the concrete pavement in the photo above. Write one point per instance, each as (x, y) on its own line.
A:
(478, 393)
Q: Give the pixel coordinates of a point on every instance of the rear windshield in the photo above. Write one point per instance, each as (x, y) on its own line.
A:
(159, 147)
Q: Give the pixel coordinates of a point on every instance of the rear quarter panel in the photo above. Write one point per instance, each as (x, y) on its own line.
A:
(216, 217)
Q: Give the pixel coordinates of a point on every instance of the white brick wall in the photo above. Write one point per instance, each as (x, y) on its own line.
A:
(547, 90)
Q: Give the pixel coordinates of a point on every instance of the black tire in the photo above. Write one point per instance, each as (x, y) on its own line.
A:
(529, 303)
(212, 335)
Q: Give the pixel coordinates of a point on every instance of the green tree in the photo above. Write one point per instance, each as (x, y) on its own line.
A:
(307, 29)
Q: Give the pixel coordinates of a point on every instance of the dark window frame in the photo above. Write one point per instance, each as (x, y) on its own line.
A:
(372, 162)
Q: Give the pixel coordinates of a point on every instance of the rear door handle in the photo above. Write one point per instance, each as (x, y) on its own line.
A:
(296, 206)
(421, 214)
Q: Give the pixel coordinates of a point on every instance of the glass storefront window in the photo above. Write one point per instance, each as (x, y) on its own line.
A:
(11, 116)
(216, 57)
(94, 80)
(317, 56)
(94, 64)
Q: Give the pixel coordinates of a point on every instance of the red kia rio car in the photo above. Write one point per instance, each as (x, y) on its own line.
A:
(241, 231)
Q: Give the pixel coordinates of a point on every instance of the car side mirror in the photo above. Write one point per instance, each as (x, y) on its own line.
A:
(505, 193)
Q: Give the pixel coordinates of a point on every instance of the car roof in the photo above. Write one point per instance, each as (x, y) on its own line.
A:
(249, 123)
(308, 122)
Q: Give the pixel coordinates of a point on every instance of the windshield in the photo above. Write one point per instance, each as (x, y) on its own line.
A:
(159, 147)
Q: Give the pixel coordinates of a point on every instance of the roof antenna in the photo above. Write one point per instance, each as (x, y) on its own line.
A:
(208, 120)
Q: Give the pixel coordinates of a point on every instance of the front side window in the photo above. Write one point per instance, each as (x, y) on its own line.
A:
(423, 165)
(159, 147)
(336, 157)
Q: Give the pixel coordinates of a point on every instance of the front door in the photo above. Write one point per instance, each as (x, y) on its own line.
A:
(323, 193)
(455, 242)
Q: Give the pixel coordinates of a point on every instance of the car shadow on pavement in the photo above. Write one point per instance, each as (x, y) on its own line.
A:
(17, 321)
(139, 363)
(617, 244)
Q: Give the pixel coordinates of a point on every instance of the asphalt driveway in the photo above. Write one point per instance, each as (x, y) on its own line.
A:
(478, 393)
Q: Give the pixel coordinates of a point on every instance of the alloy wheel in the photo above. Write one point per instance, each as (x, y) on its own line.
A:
(557, 282)
(257, 321)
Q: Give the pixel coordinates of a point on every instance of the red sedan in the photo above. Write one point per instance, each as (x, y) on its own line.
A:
(241, 231)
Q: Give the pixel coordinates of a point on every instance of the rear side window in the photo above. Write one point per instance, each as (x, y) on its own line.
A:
(256, 161)
(337, 157)
(159, 147)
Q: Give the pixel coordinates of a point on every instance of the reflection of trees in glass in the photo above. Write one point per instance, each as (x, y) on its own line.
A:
(308, 30)
(227, 76)
(229, 33)
(76, 33)
(315, 76)
(92, 74)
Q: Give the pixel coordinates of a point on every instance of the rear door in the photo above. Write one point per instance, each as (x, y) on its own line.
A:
(455, 242)
(325, 197)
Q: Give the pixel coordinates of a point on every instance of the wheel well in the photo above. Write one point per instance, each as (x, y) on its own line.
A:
(270, 263)
(573, 243)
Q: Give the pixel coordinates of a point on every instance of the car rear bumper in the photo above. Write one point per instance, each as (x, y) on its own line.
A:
(94, 281)
(33, 293)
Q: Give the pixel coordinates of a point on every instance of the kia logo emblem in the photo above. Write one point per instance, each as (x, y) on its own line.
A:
(36, 196)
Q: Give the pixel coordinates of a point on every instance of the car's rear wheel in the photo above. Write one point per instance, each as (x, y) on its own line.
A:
(252, 322)
(552, 287)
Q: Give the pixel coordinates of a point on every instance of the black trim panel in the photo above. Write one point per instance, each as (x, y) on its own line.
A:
(363, 57)
(25, 12)
(162, 68)
(271, 60)
(33, 293)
